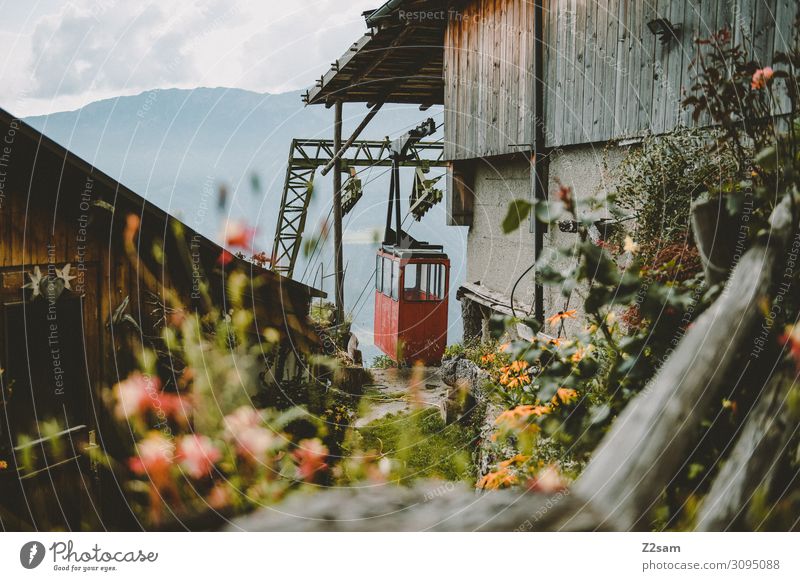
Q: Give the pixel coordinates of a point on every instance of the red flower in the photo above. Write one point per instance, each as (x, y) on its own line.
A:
(224, 258)
(310, 457)
(239, 235)
(791, 339)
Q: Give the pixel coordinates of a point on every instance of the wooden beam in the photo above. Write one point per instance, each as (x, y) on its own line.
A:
(337, 217)
(341, 151)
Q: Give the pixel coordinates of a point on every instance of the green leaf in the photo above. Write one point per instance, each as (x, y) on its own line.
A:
(518, 210)
(599, 414)
(734, 202)
(549, 212)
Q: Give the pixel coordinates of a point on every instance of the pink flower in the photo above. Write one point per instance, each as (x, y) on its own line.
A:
(310, 455)
(239, 235)
(197, 455)
(242, 419)
(256, 442)
(761, 78)
(154, 458)
(548, 480)
(135, 395)
(174, 406)
(219, 497)
(244, 427)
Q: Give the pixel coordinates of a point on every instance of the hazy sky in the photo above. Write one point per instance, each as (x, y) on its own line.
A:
(61, 55)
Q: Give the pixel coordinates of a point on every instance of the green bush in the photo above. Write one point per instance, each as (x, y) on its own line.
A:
(658, 181)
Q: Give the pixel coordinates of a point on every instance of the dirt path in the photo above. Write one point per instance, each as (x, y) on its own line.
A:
(392, 392)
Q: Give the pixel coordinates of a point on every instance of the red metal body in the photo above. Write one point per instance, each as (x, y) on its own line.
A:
(411, 292)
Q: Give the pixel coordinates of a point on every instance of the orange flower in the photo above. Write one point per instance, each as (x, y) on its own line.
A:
(518, 459)
(518, 417)
(488, 358)
(761, 78)
(518, 365)
(494, 480)
(561, 315)
(504, 347)
(578, 355)
(131, 227)
(565, 395)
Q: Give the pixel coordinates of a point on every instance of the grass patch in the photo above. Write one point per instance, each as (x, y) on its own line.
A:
(422, 446)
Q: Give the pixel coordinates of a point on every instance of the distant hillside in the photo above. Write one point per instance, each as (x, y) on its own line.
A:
(176, 147)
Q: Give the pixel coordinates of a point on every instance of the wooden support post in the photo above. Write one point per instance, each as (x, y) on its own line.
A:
(337, 217)
(538, 174)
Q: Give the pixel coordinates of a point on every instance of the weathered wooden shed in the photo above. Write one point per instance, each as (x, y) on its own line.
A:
(71, 296)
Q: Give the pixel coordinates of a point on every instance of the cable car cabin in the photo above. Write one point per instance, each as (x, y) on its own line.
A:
(411, 289)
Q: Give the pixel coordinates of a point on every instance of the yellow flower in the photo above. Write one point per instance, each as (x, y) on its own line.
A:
(630, 245)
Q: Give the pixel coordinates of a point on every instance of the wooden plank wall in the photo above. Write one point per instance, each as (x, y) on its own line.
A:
(488, 76)
(608, 77)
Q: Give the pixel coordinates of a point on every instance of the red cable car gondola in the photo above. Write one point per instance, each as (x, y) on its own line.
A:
(411, 280)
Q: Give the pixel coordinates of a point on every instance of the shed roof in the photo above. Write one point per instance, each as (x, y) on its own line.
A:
(399, 60)
(43, 143)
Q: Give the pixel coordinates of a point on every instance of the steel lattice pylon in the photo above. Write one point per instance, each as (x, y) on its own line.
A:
(305, 156)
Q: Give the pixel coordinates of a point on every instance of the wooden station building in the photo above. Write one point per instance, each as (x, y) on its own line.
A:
(537, 93)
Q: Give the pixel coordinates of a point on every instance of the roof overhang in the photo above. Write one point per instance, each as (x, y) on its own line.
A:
(399, 60)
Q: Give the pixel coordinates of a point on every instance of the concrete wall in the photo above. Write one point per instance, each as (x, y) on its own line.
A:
(496, 260)
(589, 171)
(493, 258)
